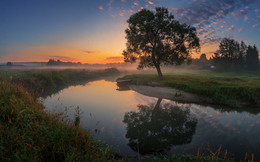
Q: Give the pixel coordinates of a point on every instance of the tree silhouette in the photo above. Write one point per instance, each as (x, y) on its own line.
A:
(156, 39)
(9, 63)
(155, 128)
(231, 55)
(252, 58)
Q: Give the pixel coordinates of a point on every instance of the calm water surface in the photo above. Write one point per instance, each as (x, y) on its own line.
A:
(132, 122)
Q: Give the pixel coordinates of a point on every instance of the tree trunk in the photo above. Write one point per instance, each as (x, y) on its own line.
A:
(157, 65)
(157, 106)
(159, 72)
(156, 110)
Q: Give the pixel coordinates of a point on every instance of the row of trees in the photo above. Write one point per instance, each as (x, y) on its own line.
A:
(236, 56)
(53, 62)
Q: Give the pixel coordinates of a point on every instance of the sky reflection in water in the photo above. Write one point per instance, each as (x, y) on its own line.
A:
(121, 118)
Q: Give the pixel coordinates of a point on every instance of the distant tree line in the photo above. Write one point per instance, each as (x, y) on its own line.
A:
(53, 62)
(9, 63)
(235, 56)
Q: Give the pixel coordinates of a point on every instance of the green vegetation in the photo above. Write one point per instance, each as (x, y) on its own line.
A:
(28, 133)
(47, 81)
(231, 89)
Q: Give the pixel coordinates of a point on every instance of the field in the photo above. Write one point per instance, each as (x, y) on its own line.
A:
(231, 89)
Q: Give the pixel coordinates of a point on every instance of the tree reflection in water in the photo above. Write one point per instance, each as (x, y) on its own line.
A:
(155, 128)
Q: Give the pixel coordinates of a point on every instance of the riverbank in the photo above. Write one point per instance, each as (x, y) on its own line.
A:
(170, 93)
(47, 82)
(230, 89)
(28, 133)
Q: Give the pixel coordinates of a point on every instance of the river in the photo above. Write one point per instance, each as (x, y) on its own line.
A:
(133, 123)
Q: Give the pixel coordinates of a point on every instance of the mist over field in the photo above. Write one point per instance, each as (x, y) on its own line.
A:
(130, 80)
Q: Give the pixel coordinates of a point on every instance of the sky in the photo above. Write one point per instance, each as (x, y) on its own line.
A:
(92, 31)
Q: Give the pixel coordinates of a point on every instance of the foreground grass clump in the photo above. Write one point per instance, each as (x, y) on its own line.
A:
(28, 133)
(229, 89)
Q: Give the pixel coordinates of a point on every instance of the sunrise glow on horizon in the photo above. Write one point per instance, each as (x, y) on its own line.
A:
(93, 31)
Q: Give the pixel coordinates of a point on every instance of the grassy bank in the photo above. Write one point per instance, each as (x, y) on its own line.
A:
(45, 82)
(28, 133)
(231, 89)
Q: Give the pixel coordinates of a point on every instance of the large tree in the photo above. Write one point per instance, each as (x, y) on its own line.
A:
(156, 39)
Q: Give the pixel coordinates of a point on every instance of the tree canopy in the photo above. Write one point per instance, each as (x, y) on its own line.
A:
(156, 39)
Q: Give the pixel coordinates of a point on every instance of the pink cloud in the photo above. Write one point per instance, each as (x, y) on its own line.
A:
(122, 13)
(150, 2)
(242, 12)
(231, 28)
(136, 4)
(131, 11)
(245, 18)
(234, 14)
(101, 7)
(174, 9)
(224, 22)
(240, 30)
(256, 25)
